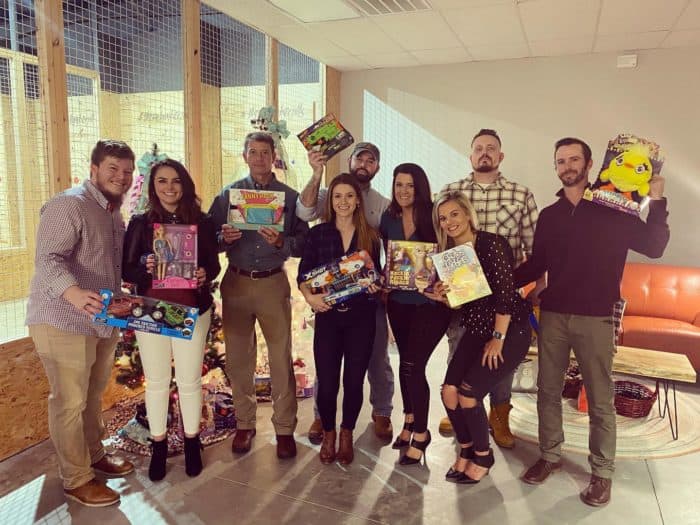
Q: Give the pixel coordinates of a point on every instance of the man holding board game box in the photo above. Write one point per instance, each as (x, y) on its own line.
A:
(255, 287)
(363, 165)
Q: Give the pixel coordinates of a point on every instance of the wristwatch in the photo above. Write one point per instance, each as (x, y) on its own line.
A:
(498, 335)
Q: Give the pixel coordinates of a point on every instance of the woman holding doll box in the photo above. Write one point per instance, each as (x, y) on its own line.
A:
(172, 200)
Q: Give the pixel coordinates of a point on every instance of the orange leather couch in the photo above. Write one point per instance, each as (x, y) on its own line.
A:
(663, 309)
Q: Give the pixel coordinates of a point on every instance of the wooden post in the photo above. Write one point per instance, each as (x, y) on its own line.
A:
(54, 92)
(192, 89)
(272, 77)
(332, 94)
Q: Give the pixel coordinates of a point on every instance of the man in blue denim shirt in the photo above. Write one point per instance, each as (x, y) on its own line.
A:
(255, 287)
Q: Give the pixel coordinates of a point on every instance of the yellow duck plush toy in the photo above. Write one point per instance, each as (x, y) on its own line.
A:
(630, 171)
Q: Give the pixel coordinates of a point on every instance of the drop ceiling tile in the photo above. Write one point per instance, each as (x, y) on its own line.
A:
(260, 15)
(636, 16)
(552, 19)
(377, 60)
(561, 46)
(450, 4)
(499, 52)
(686, 38)
(346, 63)
(493, 24)
(453, 55)
(690, 18)
(305, 40)
(358, 37)
(648, 40)
(421, 30)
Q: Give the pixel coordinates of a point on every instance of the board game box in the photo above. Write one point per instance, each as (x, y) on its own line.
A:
(251, 209)
(410, 265)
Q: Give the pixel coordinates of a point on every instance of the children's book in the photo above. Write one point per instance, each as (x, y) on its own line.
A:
(147, 314)
(175, 250)
(410, 265)
(460, 270)
(251, 209)
(343, 278)
(623, 181)
(327, 136)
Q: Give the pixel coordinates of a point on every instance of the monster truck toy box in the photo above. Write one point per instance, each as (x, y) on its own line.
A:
(147, 314)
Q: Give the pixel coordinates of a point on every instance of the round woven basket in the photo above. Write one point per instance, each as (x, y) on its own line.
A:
(633, 399)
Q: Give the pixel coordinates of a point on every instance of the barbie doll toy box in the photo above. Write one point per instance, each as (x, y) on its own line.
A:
(175, 250)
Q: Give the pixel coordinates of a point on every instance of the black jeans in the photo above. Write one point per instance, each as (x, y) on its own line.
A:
(466, 373)
(343, 336)
(417, 330)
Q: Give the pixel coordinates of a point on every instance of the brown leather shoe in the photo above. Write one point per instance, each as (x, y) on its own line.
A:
(286, 446)
(113, 466)
(327, 454)
(345, 453)
(540, 471)
(597, 492)
(316, 432)
(94, 493)
(242, 440)
(382, 428)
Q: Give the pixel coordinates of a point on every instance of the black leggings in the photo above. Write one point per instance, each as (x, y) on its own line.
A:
(343, 336)
(417, 330)
(475, 381)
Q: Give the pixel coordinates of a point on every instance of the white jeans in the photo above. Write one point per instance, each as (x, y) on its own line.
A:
(157, 353)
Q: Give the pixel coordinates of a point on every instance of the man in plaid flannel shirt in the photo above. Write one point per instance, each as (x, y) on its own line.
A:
(508, 209)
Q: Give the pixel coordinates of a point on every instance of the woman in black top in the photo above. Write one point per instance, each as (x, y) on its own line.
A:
(418, 323)
(344, 332)
(496, 339)
(172, 200)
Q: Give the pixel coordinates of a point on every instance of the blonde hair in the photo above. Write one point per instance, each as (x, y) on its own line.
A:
(460, 198)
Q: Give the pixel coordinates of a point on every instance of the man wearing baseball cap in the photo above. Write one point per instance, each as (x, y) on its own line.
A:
(363, 165)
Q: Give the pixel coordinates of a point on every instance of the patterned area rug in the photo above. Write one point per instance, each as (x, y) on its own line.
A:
(637, 438)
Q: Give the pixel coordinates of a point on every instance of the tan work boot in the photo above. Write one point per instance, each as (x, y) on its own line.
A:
(382, 428)
(316, 432)
(446, 427)
(498, 421)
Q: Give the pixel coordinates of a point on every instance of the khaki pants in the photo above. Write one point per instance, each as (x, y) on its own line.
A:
(268, 300)
(592, 341)
(78, 368)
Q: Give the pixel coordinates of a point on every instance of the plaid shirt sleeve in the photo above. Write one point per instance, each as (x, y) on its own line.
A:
(528, 224)
(57, 236)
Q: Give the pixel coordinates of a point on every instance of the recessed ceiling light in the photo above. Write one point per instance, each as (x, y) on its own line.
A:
(315, 10)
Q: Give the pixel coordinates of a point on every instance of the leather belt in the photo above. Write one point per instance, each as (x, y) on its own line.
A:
(255, 274)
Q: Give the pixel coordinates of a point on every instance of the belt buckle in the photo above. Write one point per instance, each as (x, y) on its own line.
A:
(252, 275)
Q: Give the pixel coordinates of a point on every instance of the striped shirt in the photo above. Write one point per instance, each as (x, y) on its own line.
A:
(505, 208)
(79, 242)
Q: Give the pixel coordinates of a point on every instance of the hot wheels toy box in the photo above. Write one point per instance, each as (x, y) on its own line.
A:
(147, 314)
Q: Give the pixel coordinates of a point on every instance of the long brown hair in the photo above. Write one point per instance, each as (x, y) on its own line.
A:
(367, 237)
(189, 209)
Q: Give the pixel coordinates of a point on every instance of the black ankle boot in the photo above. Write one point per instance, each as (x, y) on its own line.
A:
(193, 456)
(159, 453)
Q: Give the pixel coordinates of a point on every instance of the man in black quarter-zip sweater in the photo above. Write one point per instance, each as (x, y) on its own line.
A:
(583, 246)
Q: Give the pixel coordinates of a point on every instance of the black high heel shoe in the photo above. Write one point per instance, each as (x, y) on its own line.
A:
(464, 453)
(482, 461)
(420, 445)
(400, 443)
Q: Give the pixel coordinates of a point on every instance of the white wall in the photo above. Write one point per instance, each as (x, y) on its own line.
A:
(428, 115)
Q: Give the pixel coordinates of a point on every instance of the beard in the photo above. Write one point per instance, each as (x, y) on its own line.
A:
(568, 182)
(362, 175)
(485, 168)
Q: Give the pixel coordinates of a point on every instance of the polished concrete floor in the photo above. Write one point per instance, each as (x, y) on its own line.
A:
(257, 488)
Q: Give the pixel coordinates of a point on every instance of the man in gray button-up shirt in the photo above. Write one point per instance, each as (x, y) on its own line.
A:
(364, 165)
(79, 251)
(255, 287)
